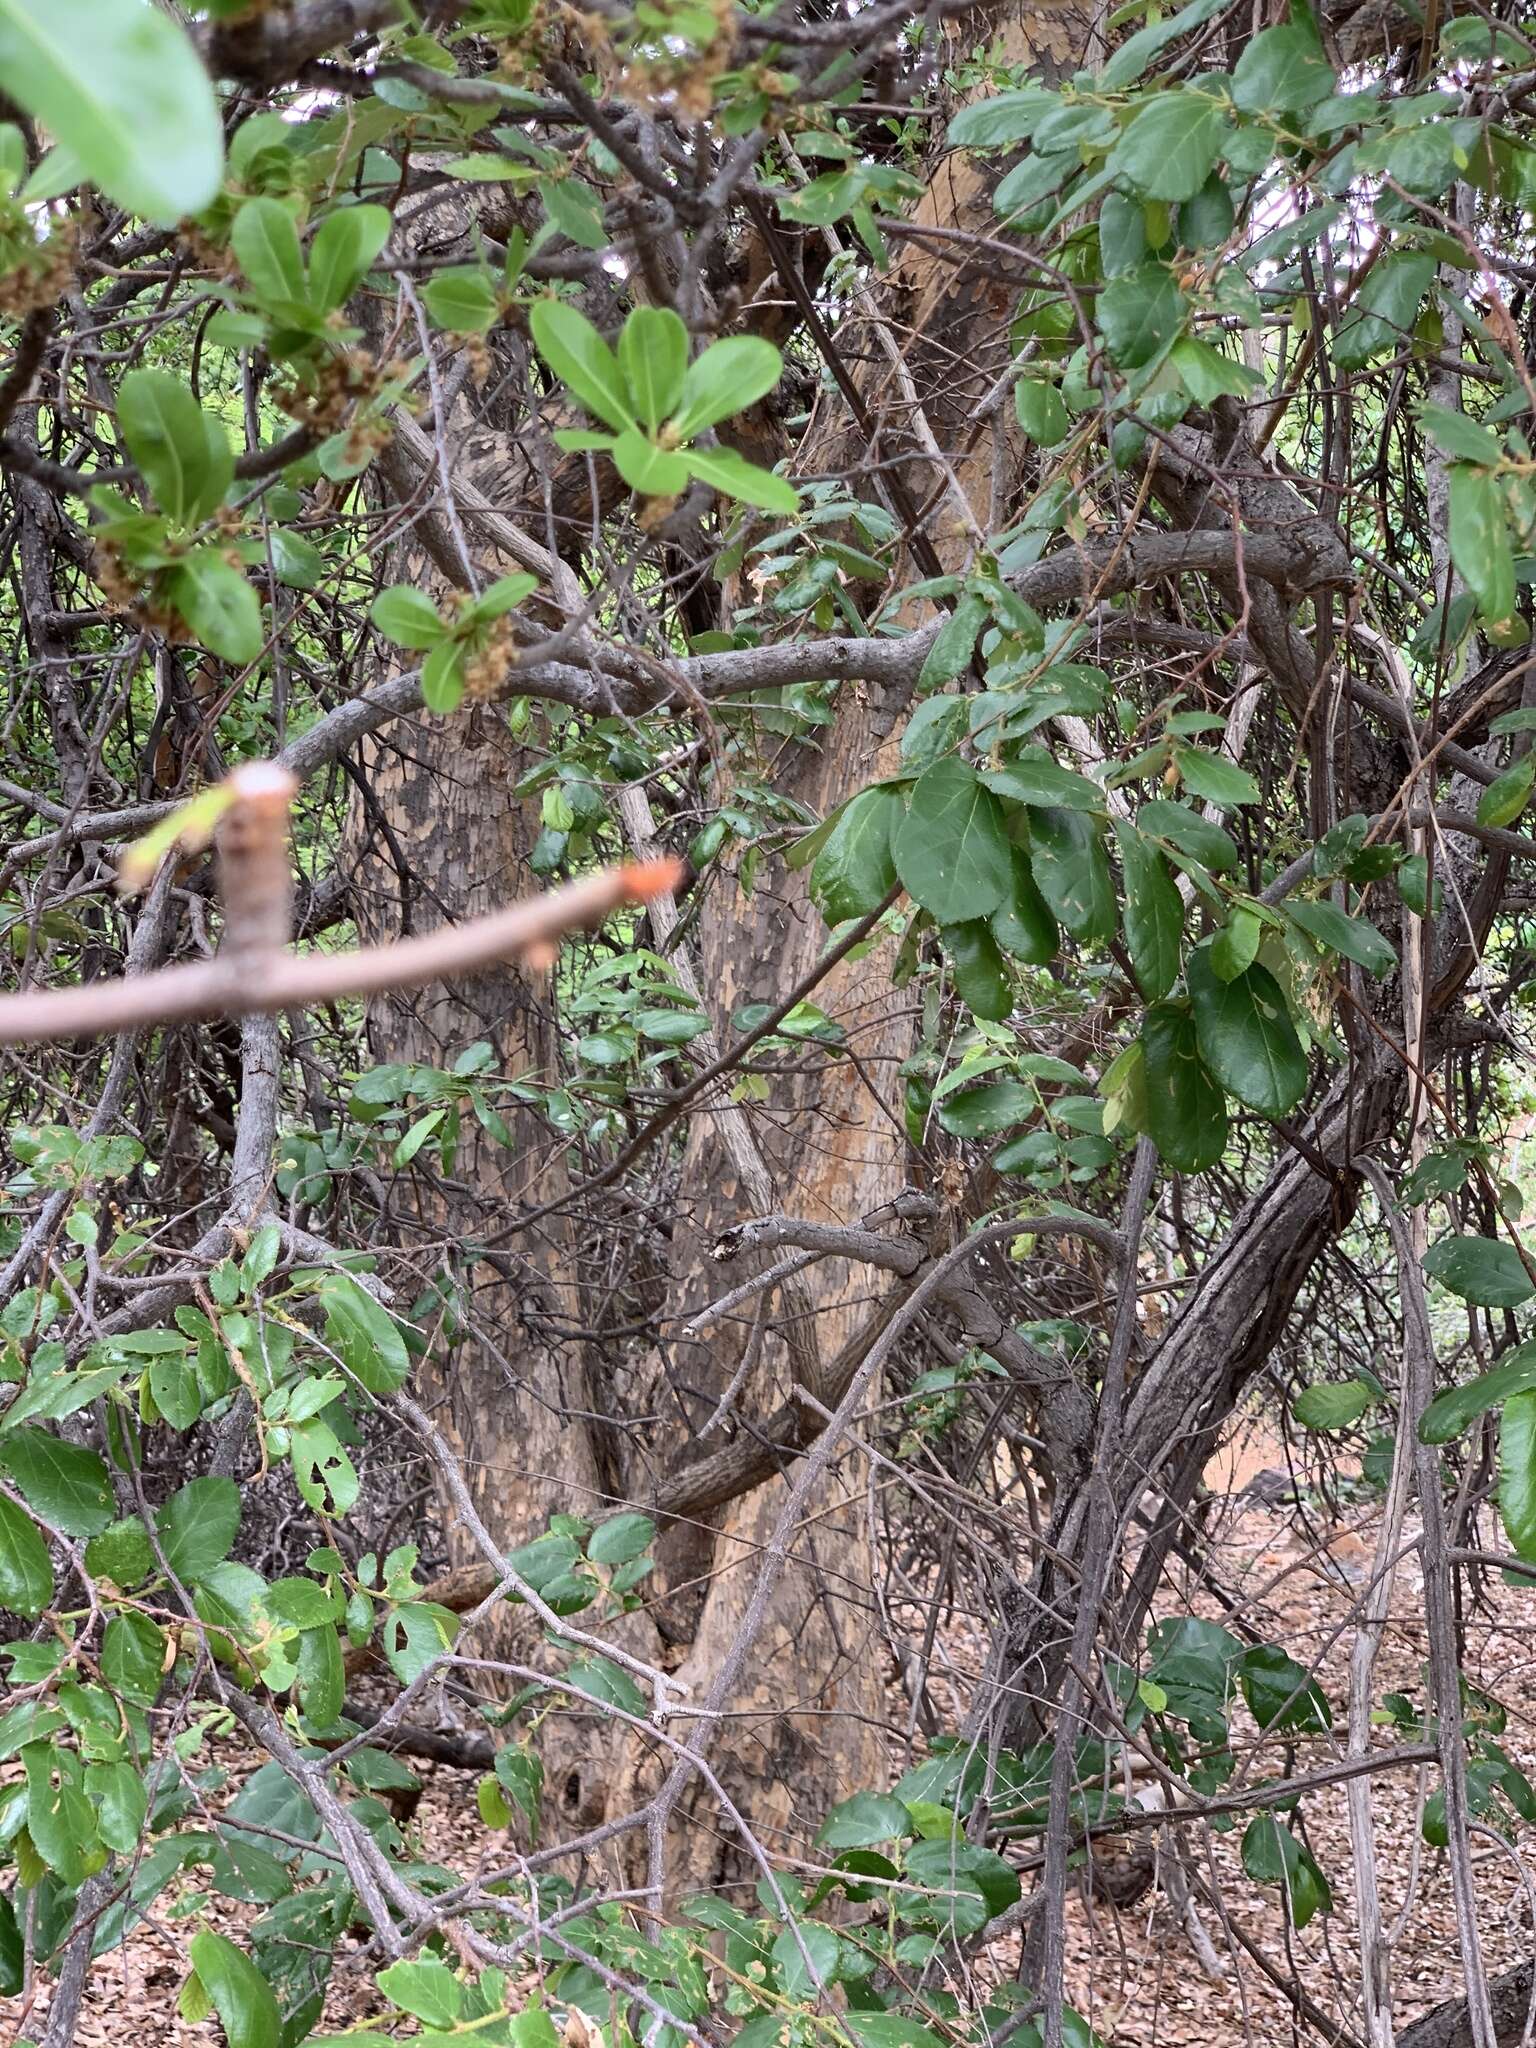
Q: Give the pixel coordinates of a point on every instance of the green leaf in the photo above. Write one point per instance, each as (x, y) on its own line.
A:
(730, 376)
(1215, 778)
(981, 975)
(1170, 145)
(133, 1657)
(1153, 914)
(296, 561)
(241, 1996)
(1280, 1692)
(1480, 544)
(1484, 1270)
(1282, 70)
(1072, 872)
(1503, 800)
(59, 1816)
(1186, 1111)
(726, 471)
(320, 1679)
(26, 1575)
(620, 1539)
(220, 607)
(855, 870)
(461, 299)
(582, 360)
(1140, 313)
(1272, 1855)
(1199, 837)
(954, 642)
(1332, 1404)
(64, 1483)
(364, 1334)
(936, 728)
(1413, 886)
(442, 677)
(428, 1990)
(1006, 117)
(647, 468)
(1385, 309)
(653, 356)
(863, 1820)
(806, 1956)
(266, 242)
(1041, 411)
(1457, 1408)
(197, 1526)
(182, 452)
(951, 851)
(1022, 924)
(343, 252)
(1246, 1036)
(1034, 777)
(1517, 1473)
(1453, 432)
(1138, 51)
(118, 1793)
(118, 84)
(608, 1683)
(982, 1112)
(1351, 936)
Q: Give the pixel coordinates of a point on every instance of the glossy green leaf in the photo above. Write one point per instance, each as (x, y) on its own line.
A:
(1503, 800)
(951, 851)
(1480, 543)
(219, 606)
(1171, 144)
(1332, 1404)
(726, 471)
(1201, 838)
(954, 643)
(1022, 923)
(1282, 70)
(1517, 1473)
(65, 1483)
(1484, 1270)
(648, 468)
(266, 242)
(1152, 912)
(856, 870)
(981, 975)
(1280, 1692)
(364, 1334)
(1215, 778)
(1457, 1408)
(1246, 1036)
(1072, 872)
(343, 252)
(197, 1526)
(1351, 936)
(26, 1574)
(1041, 411)
(864, 1820)
(407, 616)
(1140, 313)
(1185, 1108)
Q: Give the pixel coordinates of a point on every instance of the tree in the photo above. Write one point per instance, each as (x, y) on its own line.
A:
(981, 565)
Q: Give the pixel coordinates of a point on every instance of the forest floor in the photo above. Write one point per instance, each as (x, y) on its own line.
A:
(1137, 1973)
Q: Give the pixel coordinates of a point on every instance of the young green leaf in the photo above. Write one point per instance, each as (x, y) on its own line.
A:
(182, 451)
(343, 253)
(653, 356)
(119, 85)
(219, 605)
(407, 616)
(582, 360)
(730, 376)
(1480, 544)
(726, 471)
(266, 242)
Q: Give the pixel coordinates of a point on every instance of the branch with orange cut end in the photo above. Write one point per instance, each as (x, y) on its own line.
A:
(256, 972)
